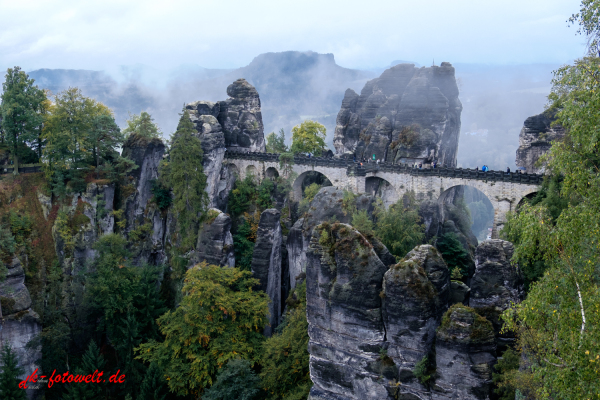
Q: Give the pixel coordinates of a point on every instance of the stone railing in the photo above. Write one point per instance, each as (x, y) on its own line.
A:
(23, 168)
(357, 169)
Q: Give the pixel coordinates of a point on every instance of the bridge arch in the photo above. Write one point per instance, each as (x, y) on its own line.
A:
(298, 186)
(252, 170)
(380, 187)
(271, 173)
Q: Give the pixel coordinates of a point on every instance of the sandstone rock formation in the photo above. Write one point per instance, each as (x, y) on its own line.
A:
(142, 216)
(496, 283)
(19, 323)
(465, 352)
(266, 263)
(215, 243)
(535, 139)
(415, 295)
(343, 285)
(326, 206)
(407, 115)
(234, 124)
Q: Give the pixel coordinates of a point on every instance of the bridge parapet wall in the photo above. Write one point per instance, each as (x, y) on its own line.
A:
(504, 190)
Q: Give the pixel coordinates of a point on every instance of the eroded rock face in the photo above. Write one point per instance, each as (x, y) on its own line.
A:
(416, 293)
(266, 263)
(13, 293)
(496, 283)
(535, 140)
(326, 206)
(234, 124)
(408, 114)
(465, 353)
(344, 279)
(215, 242)
(20, 324)
(145, 224)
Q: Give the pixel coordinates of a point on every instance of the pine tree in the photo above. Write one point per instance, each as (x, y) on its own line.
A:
(154, 386)
(92, 360)
(9, 382)
(235, 381)
(183, 172)
(142, 125)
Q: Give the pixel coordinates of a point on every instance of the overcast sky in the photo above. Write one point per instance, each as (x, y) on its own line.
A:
(229, 34)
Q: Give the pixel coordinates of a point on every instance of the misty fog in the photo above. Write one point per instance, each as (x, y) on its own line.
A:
(294, 86)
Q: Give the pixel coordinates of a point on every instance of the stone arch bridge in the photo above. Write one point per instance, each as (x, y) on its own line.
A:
(504, 191)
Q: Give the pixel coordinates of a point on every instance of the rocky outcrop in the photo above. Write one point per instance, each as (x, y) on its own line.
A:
(343, 285)
(145, 224)
(465, 353)
(234, 124)
(459, 293)
(215, 243)
(496, 283)
(415, 295)
(13, 293)
(266, 263)
(536, 139)
(406, 115)
(19, 323)
(326, 206)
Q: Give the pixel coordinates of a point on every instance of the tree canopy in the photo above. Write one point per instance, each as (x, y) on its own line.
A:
(308, 137)
(142, 125)
(558, 324)
(22, 113)
(276, 142)
(220, 318)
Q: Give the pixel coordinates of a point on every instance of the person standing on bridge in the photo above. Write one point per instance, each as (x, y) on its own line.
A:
(507, 171)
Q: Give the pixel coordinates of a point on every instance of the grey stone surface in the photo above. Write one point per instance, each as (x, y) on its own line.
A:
(18, 330)
(266, 263)
(147, 154)
(344, 281)
(465, 352)
(535, 139)
(459, 293)
(215, 242)
(326, 206)
(13, 292)
(416, 292)
(408, 114)
(496, 283)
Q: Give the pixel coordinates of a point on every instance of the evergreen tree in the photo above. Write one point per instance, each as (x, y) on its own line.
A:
(234, 381)
(453, 253)
(142, 125)
(276, 143)
(154, 385)
(9, 381)
(184, 173)
(91, 361)
(21, 112)
(399, 227)
(104, 137)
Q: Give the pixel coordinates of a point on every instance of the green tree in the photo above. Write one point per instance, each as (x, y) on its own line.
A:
(308, 137)
(399, 227)
(453, 253)
(285, 370)
(362, 222)
(142, 125)
(22, 113)
(184, 173)
(243, 194)
(72, 131)
(154, 386)
(9, 381)
(234, 381)
(276, 143)
(558, 324)
(91, 361)
(104, 138)
(286, 164)
(220, 318)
